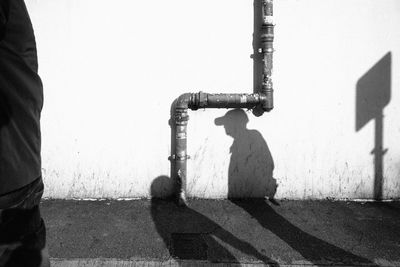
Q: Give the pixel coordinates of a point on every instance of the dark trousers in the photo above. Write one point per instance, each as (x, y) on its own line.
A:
(22, 230)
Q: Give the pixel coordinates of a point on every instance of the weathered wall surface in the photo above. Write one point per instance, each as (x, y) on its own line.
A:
(111, 70)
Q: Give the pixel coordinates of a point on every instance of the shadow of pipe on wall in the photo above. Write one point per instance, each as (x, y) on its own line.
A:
(373, 94)
(172, 125)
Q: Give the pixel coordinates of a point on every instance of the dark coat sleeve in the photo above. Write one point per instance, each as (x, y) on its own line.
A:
(4, 10)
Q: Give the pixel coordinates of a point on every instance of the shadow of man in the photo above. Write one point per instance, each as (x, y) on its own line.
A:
(250, 175)
(251, 165)
(188, 234)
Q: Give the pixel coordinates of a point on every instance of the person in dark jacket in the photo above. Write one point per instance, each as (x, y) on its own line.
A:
(22, 230)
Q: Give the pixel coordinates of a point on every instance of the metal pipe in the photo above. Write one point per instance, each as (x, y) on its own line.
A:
(194, 101)
(205, 100)
(180, 156)
(267, 49)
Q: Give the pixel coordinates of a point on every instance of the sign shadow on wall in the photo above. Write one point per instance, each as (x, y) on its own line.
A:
(250, 174)
(373, 94)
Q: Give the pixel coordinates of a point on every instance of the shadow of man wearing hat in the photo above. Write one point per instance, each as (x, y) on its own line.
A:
(250, 176)
(251, 164)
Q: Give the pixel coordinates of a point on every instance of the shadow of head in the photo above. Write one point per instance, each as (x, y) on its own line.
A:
(234, 121)
(162, 187)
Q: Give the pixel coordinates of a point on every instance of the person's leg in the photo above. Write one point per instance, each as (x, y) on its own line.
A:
(22, 230)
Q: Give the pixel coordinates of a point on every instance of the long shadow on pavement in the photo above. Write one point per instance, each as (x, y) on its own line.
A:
(310, 247)
(190, 235)
(251, 175)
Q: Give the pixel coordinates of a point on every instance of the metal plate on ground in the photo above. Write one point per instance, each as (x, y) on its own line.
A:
(188, 246)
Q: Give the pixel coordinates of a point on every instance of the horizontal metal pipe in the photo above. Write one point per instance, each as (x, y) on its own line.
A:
(195, 101)
(205, 100)
(232, 101)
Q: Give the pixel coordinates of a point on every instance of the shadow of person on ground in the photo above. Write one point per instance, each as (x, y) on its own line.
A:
(250, 175)
(189, 235)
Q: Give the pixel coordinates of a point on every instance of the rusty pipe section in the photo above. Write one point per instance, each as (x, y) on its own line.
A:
(198, 100)
(180, 156)
(204, 100)
(267, 50)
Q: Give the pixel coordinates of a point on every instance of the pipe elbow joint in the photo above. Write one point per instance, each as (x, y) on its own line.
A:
(192, 101)
(183, 101)
(267, 100)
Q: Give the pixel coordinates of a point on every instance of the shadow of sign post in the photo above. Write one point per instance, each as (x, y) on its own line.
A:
(373, 93)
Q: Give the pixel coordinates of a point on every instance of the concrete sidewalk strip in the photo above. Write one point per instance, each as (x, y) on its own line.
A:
(184, 263)
(143, 263)
(222, 233)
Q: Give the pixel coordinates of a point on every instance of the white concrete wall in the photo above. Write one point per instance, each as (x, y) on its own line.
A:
(111, 70)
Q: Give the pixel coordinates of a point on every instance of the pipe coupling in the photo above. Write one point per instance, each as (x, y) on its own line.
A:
(181, 117)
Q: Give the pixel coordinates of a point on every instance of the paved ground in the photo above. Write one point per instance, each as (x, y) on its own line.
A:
(248, 233)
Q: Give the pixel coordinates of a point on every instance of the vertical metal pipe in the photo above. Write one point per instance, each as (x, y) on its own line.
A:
(180, 155)
(267, 49)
